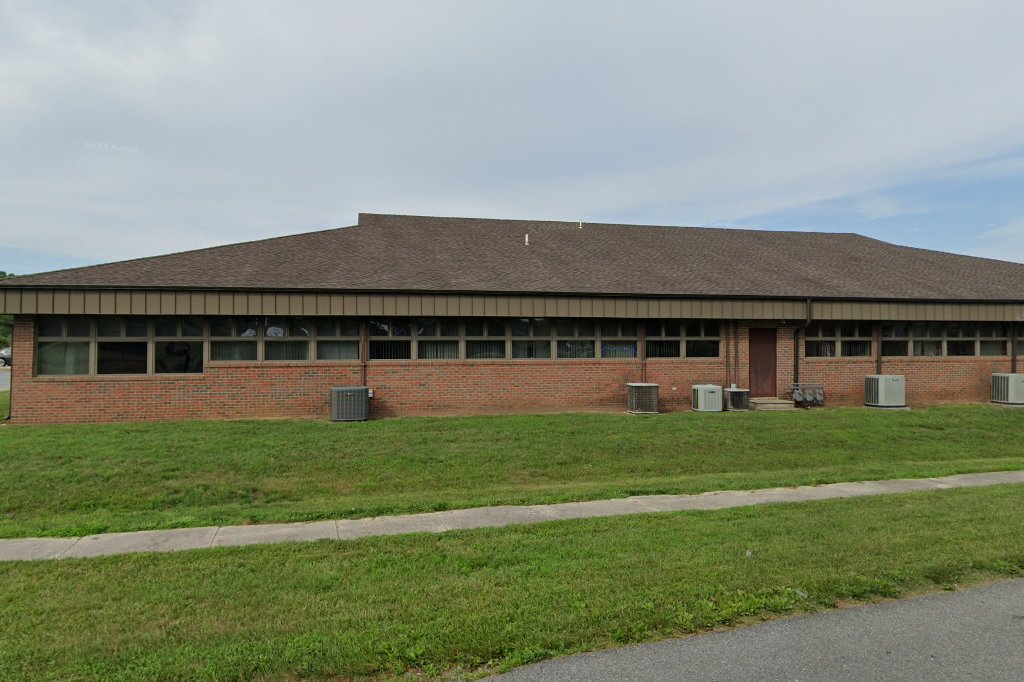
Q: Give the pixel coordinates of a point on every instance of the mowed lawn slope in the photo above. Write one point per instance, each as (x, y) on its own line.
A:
(487, 599)
(72, 480)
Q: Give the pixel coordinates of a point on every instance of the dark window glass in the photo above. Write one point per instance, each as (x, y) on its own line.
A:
(521, 326)
(400, 327)
(286, 350)
(380, 326)
(857, 349)
(542, 326)
(495, 327)
(848, 329)
(56, 358)
(475, 327)
(585, 328)
(672, 327)
(448, 326)
(663, 349)
(628, 328)
(244, 351)
(438, 350)
(220, 326)
(992, 330)
(120, 358)
(522, 350)
(928, 348)
(247, 327)
(136, 326)
(565, 328)
(575, 349)
(485, 350)
(426, 326)
(993, 347)
(191, 326)
(693, 328)
(326, 326)
(894, 330)
(178, 357)
(960, 348)
(894, 348)
(108, 326)
(348, 326)
(165, 326)
(337, 350)
(652, 328)
(51, 326)
(702, 349)
(79, 326)
(276, 327)
(820, 349)
(710, 328)
(827, 329)
(300, 326)
(618, 349)
(390, 350)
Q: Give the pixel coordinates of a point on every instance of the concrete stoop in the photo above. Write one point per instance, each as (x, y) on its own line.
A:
(771, 404)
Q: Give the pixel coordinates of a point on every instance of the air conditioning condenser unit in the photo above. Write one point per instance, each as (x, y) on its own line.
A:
(1008, 389)
(885, 390)
(642, 398)
(707, 398)
(350, 404)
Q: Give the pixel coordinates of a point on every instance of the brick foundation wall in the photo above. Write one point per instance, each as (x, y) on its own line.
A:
(301, 389)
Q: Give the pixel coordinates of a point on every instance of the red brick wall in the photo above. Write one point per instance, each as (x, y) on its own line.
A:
(250, 390)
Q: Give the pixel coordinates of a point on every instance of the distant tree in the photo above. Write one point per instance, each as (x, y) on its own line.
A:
(6, 321)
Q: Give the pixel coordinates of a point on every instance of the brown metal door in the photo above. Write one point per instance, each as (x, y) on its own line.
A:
(763, 355)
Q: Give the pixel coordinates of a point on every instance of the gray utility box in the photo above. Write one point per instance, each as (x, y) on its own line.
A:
(350, 404)
(642, 398)
(885, 390)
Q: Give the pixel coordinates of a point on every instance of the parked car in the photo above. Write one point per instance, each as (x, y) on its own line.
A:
(5, 357)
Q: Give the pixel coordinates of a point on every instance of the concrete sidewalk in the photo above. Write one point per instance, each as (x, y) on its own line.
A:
(483, 517)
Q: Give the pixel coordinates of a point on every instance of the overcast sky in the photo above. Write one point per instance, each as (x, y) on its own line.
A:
(129, 129)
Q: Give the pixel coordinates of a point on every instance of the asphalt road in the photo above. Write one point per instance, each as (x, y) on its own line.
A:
(975, 634)
(5, 379)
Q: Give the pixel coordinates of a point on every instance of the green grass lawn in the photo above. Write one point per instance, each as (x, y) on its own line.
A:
(71, 480)
(489, 599)
(5, 404)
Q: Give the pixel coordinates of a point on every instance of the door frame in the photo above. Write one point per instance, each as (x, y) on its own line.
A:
(765, 333)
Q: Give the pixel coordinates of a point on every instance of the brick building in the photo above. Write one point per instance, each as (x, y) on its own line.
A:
(448, 315)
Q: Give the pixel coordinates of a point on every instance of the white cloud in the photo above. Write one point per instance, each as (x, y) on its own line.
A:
(254, 119)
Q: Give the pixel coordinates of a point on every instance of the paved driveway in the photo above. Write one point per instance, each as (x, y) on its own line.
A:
(5, 379)
(976, 634)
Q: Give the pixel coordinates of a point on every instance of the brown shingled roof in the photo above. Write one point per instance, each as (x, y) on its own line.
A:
(413, 253)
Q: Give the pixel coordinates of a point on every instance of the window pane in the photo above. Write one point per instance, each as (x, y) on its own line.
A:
(337, 350)
(565, 328)
(496, 328)
(894, 348)
(438, 350)
(894, 329)
(702, 349)
(710, 328)
(51, 326)
(992, 330)
(652, 328)
(299, 326)
(380, 326)
(233, 350)
(521, 326)
(63, 358)
(672, 328)
(993, 347)
(485, 350)
(326, 326)
(542, 326)
(848, 329)
(275, 328)
(474, 327)
(286, 350)
(627, 328)
(348, 326)
(247, 326)
(618, 349)
(400, 326)
(390, 350)
(531, 349)
(857, 349)
(820, 349)
(108, 326)
(121, 358)
(960, 348)
(928, 348)
(191, 326)
(692, 328)
(663, 349)
(165, 326)
(79, 326)
(575, 349)
(220, 326)
(136, 326)
(448, 326)
(426, 326)
(585, 328)
(178, 357)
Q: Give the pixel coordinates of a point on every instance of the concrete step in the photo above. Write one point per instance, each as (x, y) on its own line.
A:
(771, 404)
